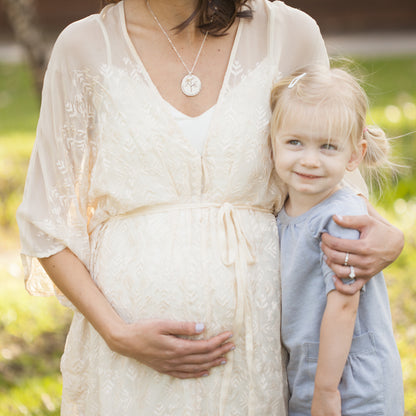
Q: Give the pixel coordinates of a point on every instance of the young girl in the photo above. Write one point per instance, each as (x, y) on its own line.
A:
(343, 357)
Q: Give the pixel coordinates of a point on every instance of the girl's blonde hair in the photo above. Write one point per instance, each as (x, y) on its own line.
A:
(338, 104)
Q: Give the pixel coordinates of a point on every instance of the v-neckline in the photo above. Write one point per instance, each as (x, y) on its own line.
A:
(182, 114)
(162, 100)
(138, 59)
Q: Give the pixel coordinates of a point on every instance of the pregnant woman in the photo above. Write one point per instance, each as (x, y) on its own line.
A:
(150, 203)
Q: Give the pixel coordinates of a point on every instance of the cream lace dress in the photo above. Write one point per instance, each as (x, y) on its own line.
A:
(165, 231)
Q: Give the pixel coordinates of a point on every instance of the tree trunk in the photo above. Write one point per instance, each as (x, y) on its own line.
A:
(23, 19)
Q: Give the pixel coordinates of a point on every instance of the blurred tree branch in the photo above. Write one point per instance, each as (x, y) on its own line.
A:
(23, 19)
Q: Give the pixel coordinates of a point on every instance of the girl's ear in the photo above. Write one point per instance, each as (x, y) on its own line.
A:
(357, 155)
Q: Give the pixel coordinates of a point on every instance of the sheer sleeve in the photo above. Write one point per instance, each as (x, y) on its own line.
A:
(296, 40)
(54, 211)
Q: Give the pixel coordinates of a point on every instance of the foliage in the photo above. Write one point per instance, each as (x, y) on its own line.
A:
(392, 90)
(402, 293)
(390, 85)
(19, 104)
(32, 330)
(18, 113)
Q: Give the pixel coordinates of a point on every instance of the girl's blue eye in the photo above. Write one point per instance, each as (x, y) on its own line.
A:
(294, 142)
(329, 146)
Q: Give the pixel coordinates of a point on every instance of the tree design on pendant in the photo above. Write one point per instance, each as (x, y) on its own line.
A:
(191, 85)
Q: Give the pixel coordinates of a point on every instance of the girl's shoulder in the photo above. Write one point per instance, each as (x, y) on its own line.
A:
(342, 203)
(349, 202)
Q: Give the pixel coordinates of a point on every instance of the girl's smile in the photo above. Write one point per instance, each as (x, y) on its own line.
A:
(303, 175)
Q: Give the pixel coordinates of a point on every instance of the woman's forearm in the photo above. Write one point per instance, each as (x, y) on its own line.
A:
(73, 279)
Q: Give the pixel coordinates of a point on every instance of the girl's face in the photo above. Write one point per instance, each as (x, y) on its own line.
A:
(311, 163)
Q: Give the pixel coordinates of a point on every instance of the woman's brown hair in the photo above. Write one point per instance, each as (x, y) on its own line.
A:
(213, 16)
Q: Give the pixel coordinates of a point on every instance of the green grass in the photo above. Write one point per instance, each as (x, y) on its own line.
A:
(32, 335)
(34, 396)
(32, 330)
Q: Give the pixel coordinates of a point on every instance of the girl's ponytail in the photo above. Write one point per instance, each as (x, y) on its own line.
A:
(377, 163)
(378, 148)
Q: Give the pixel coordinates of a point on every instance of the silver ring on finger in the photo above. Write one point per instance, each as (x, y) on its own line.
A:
(347, 255)
(352, 272)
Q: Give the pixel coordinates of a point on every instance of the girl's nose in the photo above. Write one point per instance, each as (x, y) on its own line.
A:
(310, 160)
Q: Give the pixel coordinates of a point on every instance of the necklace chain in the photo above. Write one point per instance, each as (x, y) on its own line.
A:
(172, 44)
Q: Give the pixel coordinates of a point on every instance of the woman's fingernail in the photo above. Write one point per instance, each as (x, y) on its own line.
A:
(339, 217)
(325, 257)
(205, 375)
(199, 328)
(232, 348)
(223, 362)
(334, 279)
(231, 335)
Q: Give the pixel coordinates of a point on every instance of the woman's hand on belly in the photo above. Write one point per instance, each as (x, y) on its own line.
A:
(156, 343)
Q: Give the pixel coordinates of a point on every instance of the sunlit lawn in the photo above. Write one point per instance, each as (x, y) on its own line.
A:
(31, 339)
(32, 330)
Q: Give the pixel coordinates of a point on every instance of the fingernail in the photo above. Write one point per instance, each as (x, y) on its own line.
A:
(339, 217)
(333, 279)
(199, 328)
(223, 362)
(205, 375)
(232, 348)
(325, 257)
(230, 336)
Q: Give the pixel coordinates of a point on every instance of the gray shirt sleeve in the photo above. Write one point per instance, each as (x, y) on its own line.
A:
(354, 205)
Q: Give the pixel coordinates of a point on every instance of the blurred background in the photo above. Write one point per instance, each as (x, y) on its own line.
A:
(378, 37)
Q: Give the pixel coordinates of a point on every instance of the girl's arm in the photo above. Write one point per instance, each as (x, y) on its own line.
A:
(379, 245)
(337, 329)
(154, 343)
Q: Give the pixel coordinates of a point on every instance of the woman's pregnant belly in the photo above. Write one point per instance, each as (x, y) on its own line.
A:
(170, 265)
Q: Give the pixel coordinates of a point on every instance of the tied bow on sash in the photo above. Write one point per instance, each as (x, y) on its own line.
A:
(237, 251)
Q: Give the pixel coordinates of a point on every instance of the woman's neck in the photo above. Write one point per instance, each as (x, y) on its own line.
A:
(170, 13)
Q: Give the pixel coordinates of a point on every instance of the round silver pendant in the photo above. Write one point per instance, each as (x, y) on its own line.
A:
(191, 85)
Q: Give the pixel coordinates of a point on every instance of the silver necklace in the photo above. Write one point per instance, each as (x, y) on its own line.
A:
(191, 84)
